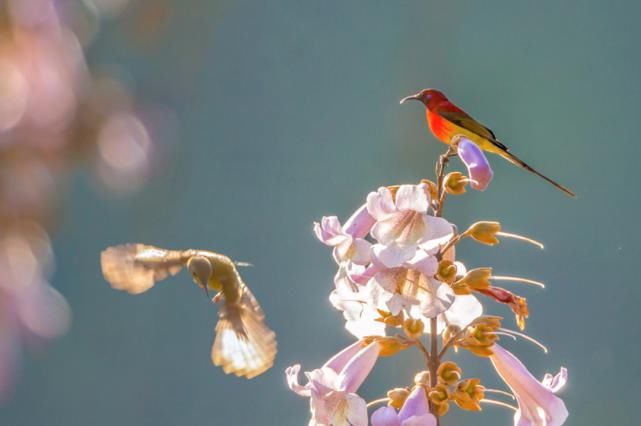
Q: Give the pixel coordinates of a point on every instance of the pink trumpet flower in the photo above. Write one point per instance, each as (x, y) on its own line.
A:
(477, 165)
(538, 404)
(347, 240)
(332, 388)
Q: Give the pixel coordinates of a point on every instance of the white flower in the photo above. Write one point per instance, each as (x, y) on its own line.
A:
(348, 242)
(403, 218)
(353, 300)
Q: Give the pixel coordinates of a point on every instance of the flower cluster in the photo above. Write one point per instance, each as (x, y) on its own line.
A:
(398, 281)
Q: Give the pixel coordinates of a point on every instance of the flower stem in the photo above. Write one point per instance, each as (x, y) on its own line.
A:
(434, 359)
(440, 175)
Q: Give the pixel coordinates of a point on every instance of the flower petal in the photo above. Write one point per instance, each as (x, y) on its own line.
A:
(406, 228)
(425, 420)
(392, 255)
(412, 197)
(356, 410)
(439, 232)
(477, 165)
(438, 300)
(339, 361)
(360, 223)
(424, 263)
(361, 252)
(415, 405)
(358, 368)
(538, 406)
(385, 416)
(462, 312)
(556, 383)
(380, 204)
(354, 301)
(291, 373)
(329, 231)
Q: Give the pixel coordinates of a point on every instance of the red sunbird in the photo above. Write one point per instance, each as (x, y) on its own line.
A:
(446, 121)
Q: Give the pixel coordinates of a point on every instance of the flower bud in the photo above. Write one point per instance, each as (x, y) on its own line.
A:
(422, 378)
(432, 190)
(468, 394)
(479, 339)
(454, 183)
(461, 289)
(389, 346)
(484, 232)
(477, 279)
(440, 396)
(390, 320)
(413, 328)
(446, 271)
(397, 397)
(448, 373)
(477, 165)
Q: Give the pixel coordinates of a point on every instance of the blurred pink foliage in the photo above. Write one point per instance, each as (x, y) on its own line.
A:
(54, 114)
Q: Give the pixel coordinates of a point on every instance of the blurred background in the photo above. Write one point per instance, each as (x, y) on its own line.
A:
(233, 125)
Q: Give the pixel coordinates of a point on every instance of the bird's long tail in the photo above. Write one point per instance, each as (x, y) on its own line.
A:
(517, 161)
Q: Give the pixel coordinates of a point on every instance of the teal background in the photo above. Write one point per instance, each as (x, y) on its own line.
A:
(287, 111)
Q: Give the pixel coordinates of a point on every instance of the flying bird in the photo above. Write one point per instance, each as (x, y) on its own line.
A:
(446, 121)
(244, 345)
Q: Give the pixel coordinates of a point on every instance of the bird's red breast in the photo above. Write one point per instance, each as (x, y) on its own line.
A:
(443, 129)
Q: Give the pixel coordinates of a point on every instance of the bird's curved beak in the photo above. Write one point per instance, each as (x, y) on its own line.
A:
(416, 97)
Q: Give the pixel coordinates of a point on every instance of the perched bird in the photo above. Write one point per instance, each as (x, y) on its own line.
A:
(446, 121)
(244, 345)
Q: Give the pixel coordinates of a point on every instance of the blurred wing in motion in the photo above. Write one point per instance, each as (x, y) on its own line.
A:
(244, 345)
(135, 268)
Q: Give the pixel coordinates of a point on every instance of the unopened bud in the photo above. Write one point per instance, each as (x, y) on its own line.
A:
(389, 346)
(480, 337)
(454, 183)
(397, 397)
(461, 288)
(413, 328)
(477, 279)
(468, 394)
(484, 232)
(422, 378)
(448, 373)
(440, 396)
(446, 271)
(390, 320)
(432, 190)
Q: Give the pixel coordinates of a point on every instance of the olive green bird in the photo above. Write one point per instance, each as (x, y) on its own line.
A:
(244, 345)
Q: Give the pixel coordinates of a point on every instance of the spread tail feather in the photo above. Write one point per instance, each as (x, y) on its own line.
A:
(517, 161)
(244, 345)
